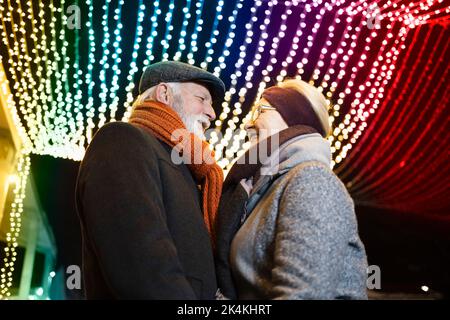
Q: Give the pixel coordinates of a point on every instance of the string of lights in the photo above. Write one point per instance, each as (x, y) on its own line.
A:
(58, 139)
(310, 38)
(239, 137)
(384, 76)
(6, 272)
(230, 38)
(37, 80)
(183, 32)
(153, 33)
(133, 66)
(249, 73)
(214, 33)
(27, 145)
(234, 79)
(198, 27)
(104, 62)
(239, 63)
(404, 154)
(90, 82)
(117, 59)
(149, 53)
(67, 137)
(341, 170)
(77, 87)
(17, 71)
(419, 88)
(371, 146)
(316, 73)
(169, 27)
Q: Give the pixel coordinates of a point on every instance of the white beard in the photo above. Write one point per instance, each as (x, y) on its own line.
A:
(193, 123)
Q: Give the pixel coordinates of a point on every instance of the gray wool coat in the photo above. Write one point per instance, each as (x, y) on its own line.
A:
(300, 240)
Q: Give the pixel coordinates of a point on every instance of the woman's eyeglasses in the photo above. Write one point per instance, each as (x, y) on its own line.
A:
(257, 111)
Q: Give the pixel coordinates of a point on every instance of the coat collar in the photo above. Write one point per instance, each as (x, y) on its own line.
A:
(298, 150)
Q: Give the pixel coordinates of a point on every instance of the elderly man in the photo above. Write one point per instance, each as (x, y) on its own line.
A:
(147, 220)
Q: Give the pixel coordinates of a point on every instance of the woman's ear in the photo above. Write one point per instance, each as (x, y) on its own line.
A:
(164, 94)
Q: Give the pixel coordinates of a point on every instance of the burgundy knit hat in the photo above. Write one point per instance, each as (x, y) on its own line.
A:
(294, 107)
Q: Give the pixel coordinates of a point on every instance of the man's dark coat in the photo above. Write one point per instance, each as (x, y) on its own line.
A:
(141, 219)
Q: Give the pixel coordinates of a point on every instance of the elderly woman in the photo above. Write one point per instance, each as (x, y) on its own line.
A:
(287, 227)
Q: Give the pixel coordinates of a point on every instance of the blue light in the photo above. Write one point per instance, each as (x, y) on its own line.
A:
(197, 29)
(153, 34)
(230, 32)
(137, 40)
(115, 62)
(183, 33)
(167, 35)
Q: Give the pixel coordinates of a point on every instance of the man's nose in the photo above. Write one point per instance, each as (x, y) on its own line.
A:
(210, 113)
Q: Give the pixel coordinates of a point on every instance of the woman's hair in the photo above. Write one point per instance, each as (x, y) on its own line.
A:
(318, 102)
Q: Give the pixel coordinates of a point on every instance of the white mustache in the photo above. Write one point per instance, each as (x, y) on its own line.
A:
(205, 123)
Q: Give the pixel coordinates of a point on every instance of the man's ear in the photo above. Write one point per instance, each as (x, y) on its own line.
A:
(164, 94)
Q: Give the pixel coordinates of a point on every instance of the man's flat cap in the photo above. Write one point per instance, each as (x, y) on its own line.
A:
(174, 71)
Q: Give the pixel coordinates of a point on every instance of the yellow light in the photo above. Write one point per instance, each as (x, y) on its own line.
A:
(23, 168)
(424, 288)
(13, 179)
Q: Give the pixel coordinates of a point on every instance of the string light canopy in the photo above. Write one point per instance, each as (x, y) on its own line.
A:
(381, 64)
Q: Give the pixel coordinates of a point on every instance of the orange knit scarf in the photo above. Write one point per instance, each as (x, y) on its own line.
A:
(162, 121)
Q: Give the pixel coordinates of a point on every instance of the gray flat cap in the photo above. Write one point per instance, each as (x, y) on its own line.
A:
(174, 71)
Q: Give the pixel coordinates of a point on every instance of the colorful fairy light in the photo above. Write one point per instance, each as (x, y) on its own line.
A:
(183, 32)
(69, 112)
(104, 63)
(152, 35)
(78, 106)
(410, 80)
(198, 27)
(148, 60)
(169, 27)
(345, 58)
(58, 136)
(307, 49)
(19, 73)
(234, 78)
(230, 39)
(359, 115)
(234, 148)
(117, 59)
(133, 67)
(239, 63)
(399, 186)
(15, 218)
(214, 33)
(237, 145)
(27, 145)
(90, 111)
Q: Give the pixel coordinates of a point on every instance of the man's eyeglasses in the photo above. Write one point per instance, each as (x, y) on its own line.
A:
(257, 111)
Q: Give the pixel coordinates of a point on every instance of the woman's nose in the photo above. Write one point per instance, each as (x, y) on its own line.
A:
(249, 125)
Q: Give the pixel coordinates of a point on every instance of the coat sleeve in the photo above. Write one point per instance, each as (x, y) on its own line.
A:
(122, 208)
(310, 236)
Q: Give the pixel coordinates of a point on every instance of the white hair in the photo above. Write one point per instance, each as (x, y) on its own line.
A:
(192, 122)
(149, 94)
(317, 100)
